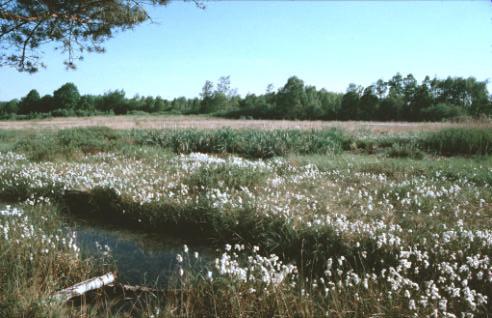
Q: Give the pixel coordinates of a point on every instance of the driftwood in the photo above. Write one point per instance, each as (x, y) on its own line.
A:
(104, 281)
(81, 288)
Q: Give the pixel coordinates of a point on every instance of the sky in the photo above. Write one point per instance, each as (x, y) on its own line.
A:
(326, 43)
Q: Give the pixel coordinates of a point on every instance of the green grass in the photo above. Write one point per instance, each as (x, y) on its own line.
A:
(75, 143)
(247, 143)
(476, 169)
(459, 141)
(223, 177)
(67, 143)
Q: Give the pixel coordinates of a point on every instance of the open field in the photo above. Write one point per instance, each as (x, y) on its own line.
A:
(202, 122)
(302, 223)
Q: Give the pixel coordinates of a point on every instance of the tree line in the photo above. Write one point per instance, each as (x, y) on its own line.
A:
(397, 99)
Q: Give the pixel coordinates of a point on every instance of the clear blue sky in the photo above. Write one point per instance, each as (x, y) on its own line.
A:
(327, 44)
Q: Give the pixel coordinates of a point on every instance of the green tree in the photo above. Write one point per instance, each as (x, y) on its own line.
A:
(30, 103)
(46, 104)
(180, 104)
(478, 93)
(350, 103)
(220, 99)
(224, 85)
(160, 104)
(66, 97)
(330, 104)
(468, 93)
(395, 86)
(312, 108)
(10, 107)
(391, 109)
(87, 103)
(290, 99)
(113, 101)
(149, 104)
(207, 94)
(368, 104)
(409, 86)
(381, 88)
(421, 99)
(441, 112)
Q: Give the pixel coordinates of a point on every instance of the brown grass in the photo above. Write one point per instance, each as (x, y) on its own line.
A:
(201, 122)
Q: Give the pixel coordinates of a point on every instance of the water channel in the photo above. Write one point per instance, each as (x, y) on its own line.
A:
(141, 258)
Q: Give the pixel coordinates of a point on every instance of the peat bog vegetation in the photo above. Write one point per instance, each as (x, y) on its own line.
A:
(304, 223)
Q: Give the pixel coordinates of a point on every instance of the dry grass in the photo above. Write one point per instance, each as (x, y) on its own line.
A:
(201, 122)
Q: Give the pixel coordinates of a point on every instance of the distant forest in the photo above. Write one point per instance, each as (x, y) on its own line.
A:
(398, 99)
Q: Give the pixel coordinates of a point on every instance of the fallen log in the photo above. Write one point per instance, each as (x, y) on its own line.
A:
(81, 288)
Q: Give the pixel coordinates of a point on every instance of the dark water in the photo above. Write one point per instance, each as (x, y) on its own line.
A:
(140, 258)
